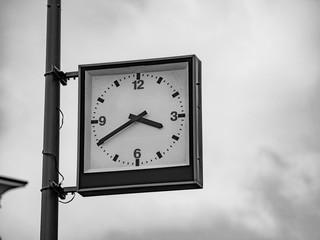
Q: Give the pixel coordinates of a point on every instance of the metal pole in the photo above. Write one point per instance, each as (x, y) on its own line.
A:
(49, 203)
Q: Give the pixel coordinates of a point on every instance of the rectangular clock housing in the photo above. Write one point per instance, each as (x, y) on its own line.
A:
(105, 182)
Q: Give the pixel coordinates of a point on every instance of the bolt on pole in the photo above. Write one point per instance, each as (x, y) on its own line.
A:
(49, 198)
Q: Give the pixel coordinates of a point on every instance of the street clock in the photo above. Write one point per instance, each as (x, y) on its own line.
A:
(140, 126)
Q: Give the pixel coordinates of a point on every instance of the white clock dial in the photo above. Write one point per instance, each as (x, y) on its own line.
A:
(138, 120)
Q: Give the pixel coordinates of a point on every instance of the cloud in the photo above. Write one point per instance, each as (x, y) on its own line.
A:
(288, 187)
(220, 229)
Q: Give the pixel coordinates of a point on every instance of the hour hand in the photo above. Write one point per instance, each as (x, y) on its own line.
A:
(147, 121)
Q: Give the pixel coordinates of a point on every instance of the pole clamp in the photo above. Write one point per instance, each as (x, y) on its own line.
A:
(57, 188)
(60, 75)
(62, 192)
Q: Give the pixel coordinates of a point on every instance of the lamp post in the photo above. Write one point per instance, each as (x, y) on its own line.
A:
(49, 200)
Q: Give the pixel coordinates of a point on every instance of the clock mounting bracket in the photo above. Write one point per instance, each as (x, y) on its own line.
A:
(63, 77)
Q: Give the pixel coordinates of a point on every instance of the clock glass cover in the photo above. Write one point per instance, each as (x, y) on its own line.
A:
(137, 118)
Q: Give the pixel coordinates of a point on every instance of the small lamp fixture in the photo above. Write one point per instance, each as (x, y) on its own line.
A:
(10, 183)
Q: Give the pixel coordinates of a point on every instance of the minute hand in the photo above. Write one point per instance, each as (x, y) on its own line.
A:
(123, 126)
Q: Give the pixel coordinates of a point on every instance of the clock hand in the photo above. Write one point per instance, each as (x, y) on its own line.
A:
(123, 126)
(147, 121)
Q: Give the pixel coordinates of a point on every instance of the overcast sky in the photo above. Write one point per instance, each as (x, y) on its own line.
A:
(261, 95)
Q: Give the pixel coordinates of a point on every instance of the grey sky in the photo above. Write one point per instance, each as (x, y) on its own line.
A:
(261, 80)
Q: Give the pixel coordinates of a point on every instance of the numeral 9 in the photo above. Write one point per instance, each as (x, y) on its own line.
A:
(102, 120)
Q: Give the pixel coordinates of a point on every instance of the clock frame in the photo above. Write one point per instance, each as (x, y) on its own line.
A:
(188, 176)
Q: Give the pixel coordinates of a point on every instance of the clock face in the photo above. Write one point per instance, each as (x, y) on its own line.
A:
(136, 118)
